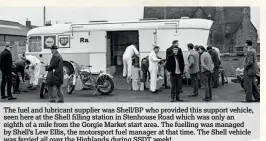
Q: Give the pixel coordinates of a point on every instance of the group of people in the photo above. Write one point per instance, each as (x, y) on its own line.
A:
(203, 68)
(203, 65)
(14, 72)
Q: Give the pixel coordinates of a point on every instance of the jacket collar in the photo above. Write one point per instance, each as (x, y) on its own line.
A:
(8, 50)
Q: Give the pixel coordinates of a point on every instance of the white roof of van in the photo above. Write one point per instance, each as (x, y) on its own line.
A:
(122, 25)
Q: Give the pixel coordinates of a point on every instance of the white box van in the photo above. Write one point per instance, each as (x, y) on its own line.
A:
(101, 44)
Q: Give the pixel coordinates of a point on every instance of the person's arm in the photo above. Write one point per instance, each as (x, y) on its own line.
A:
(250, 60)
(167, 64)
(53, 64)
(136, 51)
(155, 58)
(191, 61)
(202, 58)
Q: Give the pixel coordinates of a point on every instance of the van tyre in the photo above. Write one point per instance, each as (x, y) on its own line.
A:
(111, 85)
(68, 68)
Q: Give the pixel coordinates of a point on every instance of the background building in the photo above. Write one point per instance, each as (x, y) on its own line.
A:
(231, 28)
(14, 33)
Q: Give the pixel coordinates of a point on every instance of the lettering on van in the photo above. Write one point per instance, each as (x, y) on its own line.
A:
(84, 40)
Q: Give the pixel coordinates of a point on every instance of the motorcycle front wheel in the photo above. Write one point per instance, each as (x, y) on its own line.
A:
(70, 86)
(105, 85)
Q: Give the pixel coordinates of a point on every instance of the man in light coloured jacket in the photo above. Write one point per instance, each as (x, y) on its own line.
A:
(193, 68)
(153, 68)
(206, 72)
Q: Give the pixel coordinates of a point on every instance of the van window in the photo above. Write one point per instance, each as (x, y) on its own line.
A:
(35, 44)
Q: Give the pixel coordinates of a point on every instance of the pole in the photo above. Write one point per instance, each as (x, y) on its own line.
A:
(44, 16)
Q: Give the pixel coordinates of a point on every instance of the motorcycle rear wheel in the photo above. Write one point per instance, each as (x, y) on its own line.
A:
(70, 86)
(103, 82)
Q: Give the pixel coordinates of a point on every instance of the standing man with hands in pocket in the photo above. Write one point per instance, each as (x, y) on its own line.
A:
(55, 75)
(206, 72)
(175, 65)
(193, 68)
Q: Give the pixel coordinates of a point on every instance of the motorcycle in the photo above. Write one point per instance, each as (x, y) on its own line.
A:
(240, 78)
(89, 80)
(43, 86)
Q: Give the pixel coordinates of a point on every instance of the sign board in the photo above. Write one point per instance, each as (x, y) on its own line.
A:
(49, 41)
(63, 41)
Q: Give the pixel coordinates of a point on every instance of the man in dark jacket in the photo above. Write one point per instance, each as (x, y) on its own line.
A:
(18, 69)
(175, 65)
(216, 62)
(6, 68)
(250, 70)
(168, 52)
(55, 75)
(145, 70)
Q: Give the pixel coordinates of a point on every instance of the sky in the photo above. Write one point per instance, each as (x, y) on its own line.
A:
(83, 14)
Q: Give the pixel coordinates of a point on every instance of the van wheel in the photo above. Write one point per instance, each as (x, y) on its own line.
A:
(68, 68)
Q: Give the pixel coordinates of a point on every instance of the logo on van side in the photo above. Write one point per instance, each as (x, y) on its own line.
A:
(64, 41)
(49, 41)
(84, 40)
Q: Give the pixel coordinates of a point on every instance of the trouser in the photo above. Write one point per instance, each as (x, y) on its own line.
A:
(153, 80)
(35, 74)
(199, 80)
(215, 77)
(206, 79)
(6, 80)
(59, 93)
(175, 86)
(146, 75)
(127, 63)
(194, 81)
(16, 85)
(250, 87)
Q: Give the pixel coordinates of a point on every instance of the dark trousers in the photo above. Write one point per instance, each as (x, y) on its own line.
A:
(6, 80)
(250, 87)
(194, 81)
(165, 77)
(59, 93)
(16, 85)
(206, 79)
(146, 75)
(215, 77)
(175, 86)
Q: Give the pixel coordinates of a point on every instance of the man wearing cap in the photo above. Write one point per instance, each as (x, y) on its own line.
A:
(55, 75)
(169, 51)
(6, 68)
(153, 68)
(250, 70)
(175, 65)
(216, 62)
